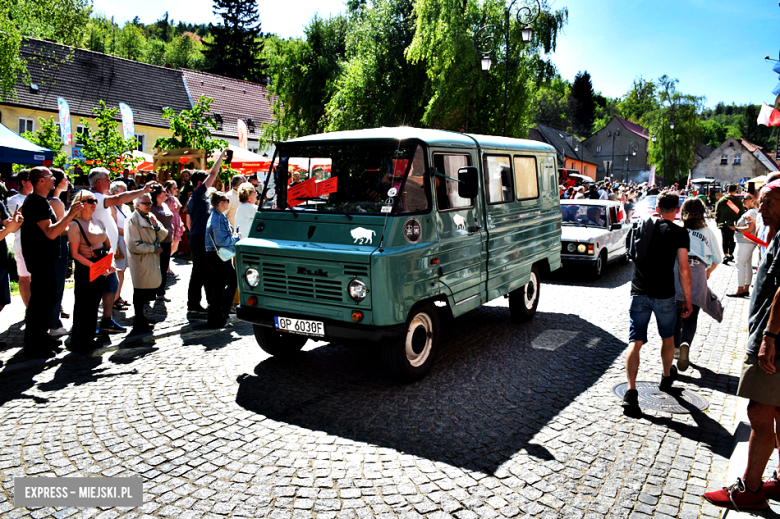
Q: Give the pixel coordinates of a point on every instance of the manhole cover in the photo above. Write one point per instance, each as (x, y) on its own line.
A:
(678, 401)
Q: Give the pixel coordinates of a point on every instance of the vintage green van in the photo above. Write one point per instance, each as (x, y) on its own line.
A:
(395, 230)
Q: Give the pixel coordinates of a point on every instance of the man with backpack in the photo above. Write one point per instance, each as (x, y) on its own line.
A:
(655, 245)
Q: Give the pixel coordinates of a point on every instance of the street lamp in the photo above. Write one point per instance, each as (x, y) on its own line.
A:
(486, 43)
(632, 149)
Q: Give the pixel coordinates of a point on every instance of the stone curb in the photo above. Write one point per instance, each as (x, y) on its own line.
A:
(126, 343)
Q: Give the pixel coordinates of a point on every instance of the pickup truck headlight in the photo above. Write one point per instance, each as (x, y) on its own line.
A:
(357, 290)
(581, 248)
(252, 277)
(571, 247)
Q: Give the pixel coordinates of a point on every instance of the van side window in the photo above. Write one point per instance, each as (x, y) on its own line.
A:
(498, 178)
(613, 215)
(415, 197)
(526, 180)
(445, 174)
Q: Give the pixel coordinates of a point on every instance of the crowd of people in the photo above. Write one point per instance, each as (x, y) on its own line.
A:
(670, 276)
(50, 225)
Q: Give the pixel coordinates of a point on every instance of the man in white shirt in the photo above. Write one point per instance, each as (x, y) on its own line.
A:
(100, 183)
(15, 204)
(232, 196)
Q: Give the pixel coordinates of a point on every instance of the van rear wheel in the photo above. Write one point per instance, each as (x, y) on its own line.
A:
(524, 300)
(278, 344)
(411, 356)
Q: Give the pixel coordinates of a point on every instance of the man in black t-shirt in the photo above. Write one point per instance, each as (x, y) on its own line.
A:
(41, 247)
(653, 293)
(10, 224)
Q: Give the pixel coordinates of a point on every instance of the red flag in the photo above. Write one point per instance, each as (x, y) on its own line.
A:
(768, 116)
(755, 239)
(298, 193)
(100, 267)
(622, 212)
(327, 187)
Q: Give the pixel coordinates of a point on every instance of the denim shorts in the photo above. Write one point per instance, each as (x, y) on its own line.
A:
(642, 307)
(112, 284)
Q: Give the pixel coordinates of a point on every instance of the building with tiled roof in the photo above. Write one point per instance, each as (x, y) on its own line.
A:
(234, 99)
(572, 154)
(623, 145)
(83, 78)
(733, 161)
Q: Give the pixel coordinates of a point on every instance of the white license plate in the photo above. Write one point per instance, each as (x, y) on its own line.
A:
(300, 326)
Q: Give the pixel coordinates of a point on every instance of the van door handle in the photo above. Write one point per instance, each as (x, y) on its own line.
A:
(475, 228)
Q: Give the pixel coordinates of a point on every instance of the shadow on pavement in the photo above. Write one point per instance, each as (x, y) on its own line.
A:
(615, 275)
(79, 373)
(494, 386)
(14, 386)
(709, 379)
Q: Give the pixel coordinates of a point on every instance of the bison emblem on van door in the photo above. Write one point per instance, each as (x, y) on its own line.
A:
(362, 236)
(460, 222)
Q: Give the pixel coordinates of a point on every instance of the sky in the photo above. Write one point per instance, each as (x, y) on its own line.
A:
(716, 48)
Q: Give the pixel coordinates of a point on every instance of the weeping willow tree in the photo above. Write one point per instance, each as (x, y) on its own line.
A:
(464, 98)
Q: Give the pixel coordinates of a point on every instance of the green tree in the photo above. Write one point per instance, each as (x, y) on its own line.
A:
(674, 151)
(583, 104)
(641, 100)
(713, 133)
(106, 146)
(378, 85)
(190, 128)
(48, 136)
(462, 97)
(132, 42)
(606, 109)
(237, 46)
(303, 75)
(59, 20)
(184, 52)
(551, 106)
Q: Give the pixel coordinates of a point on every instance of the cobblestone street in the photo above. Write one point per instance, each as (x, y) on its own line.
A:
(514, 420)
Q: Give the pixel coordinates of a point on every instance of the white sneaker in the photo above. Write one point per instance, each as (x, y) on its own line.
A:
(58, 332)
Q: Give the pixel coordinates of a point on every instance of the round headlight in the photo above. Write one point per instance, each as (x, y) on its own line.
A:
(572, 247)
(581, 248)
(357, 290)
(252, 277)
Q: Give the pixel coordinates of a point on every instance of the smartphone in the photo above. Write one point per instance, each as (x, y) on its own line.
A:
(229, 156)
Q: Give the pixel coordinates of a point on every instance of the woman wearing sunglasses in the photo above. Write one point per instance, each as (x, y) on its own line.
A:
(88, 243)
(144, 235)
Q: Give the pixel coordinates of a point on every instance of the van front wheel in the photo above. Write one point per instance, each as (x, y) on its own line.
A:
(278, 344)
(524, 300)
(411, 356)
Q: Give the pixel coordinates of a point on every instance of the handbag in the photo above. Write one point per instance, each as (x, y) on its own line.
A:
(100, 253)
(222, 253)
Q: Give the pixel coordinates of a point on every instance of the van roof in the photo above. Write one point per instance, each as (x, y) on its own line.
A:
(442, 138)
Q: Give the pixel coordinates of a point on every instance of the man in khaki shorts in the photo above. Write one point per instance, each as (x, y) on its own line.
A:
(760, 380)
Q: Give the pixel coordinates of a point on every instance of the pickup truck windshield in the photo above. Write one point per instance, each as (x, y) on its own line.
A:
(349, 178)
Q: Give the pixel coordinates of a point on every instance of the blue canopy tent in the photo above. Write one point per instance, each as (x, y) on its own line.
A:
(18, 150)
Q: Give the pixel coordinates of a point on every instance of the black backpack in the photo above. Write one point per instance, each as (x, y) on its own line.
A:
(638, 238)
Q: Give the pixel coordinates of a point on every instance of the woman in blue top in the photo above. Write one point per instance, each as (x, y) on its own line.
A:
(220, 235)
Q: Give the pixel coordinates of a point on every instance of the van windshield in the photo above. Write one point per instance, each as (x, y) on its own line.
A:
(373, 178)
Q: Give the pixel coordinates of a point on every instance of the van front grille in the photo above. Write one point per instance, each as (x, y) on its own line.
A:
(355, 270)
(277, 281)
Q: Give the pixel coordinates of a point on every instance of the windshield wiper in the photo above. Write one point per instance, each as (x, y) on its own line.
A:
(337, 208)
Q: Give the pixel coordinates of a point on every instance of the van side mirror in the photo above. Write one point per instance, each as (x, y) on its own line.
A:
(468, 182)
(615, 226)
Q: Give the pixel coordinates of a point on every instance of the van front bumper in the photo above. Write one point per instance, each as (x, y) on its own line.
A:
(578, 259)
(333, 329)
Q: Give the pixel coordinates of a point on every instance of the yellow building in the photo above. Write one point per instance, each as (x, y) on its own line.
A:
(83, 78)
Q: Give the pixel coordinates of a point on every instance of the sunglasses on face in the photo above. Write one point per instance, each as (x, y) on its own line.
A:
(89, 201)
(144, 203)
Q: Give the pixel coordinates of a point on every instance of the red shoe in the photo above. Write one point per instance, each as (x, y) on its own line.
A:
(772, 487)
(738, 497)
